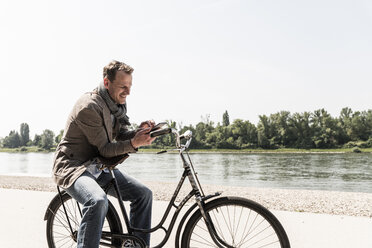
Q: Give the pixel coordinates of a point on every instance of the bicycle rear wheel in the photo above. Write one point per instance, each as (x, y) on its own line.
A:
(58, 231)
(238, 222)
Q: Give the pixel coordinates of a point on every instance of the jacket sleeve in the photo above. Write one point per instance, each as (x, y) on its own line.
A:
(125, 134)
(90, 122)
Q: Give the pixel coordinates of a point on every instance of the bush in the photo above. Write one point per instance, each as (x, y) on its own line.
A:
(249, 146)
(360, 144)
(350, 144)
(369, 143)
(356, 150)
(23, 149)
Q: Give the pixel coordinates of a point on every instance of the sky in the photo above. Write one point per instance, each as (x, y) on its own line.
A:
(191, 59)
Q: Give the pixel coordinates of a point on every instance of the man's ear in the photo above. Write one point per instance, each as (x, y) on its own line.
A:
(105, 82)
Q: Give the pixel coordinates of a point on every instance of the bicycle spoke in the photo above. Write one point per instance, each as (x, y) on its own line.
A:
(63, 244)
(62, 234)
(206, 241)
(233, 226)
(202, 226)
(253, 236)
(237, 228)
(249, 230)
(59, 220)
(225, 220)
(62, 215)
(246, 223)
(72, 213)
(205, 229)
(218, 225)
(253, 230)
(264, 238)
(269, 244)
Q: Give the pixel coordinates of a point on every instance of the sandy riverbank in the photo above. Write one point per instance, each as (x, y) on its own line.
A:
(312, 201)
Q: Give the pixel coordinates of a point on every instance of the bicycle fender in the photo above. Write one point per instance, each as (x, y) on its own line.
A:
(180, 225)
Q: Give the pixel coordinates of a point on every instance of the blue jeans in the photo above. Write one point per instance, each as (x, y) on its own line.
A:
(88, 192)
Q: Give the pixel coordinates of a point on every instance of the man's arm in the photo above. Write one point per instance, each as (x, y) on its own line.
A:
(91, 124)
(125, 134)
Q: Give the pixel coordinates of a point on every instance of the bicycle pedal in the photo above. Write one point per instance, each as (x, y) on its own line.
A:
(130, 244)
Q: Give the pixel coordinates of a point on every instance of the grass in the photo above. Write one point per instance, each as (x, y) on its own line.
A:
(280, 150)
(25, 149)
(152, 150)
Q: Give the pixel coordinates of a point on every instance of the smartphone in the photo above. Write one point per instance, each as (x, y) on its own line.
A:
(158, 126)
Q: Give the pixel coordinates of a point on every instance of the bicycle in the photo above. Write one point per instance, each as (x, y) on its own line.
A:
(212, 221)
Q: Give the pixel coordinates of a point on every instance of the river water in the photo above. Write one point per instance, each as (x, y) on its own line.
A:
(337, 172)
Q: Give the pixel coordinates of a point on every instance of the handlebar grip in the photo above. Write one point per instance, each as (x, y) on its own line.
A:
(160, 132)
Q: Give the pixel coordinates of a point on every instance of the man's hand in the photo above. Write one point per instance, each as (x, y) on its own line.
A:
(142, 138)
(147, 124)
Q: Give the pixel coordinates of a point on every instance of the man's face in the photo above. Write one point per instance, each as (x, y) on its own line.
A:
(119, 89)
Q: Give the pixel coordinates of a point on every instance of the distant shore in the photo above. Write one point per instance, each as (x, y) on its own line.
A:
(242, 151)
(313, 201)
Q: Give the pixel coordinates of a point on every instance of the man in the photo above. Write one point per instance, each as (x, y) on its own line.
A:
(96, 131)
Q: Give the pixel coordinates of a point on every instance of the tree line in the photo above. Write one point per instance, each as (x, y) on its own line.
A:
(317, 129)
(15, 139)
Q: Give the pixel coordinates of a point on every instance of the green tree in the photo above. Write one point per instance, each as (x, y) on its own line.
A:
(47, 139)
(221, 137)
(59, 136)
(368, 117)
(244, 134)
(13, 140)
(344, 122)
(25, 134)
(202, 130)
(225, 119)
(265, 133)
(324, 128)
(360, 125)
(37, 140)
(280, 131)
(300, 131)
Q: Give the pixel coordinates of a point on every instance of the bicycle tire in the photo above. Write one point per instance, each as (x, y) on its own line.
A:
(58, 231)
(252, 223)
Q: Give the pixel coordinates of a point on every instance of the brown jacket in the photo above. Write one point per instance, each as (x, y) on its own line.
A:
(88, 134)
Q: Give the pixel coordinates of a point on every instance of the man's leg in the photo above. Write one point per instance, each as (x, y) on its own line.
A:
(140, 197)
(95, 204)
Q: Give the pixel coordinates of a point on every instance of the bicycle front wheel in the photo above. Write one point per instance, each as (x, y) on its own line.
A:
(238, 222)
(59, 233)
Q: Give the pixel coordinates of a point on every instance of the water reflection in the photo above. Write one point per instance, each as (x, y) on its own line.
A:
(343, 172)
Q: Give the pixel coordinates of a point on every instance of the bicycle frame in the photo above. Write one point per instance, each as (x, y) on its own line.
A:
(196, 191)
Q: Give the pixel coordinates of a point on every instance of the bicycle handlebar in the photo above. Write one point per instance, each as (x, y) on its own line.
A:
(187, 135)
